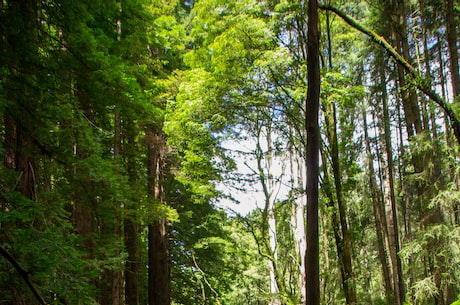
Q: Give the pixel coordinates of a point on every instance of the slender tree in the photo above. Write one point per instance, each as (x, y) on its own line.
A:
(379, 218)
(312, 156)
(452, 42)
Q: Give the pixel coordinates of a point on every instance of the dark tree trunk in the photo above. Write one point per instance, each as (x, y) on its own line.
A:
(21, 45)
(452, 43)
(158, 248)
(312, 156)
(131, 230)
(19, 42)
(159, 277)
(116, 276)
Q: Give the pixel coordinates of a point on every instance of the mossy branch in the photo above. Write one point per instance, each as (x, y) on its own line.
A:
(423, 86)
(24, 274)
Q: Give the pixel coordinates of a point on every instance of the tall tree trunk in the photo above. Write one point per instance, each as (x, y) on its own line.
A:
(380, 226)
(268, 186)
(344, 245)
(131, 265)
(344, 251)
(392, 206)
(409, 98)
(131, 228)
(297, 168)
(158, 247)
(268, 232)
(21, 44)
(312, 156)
(451, 27)
(327, 189)
(116, 275)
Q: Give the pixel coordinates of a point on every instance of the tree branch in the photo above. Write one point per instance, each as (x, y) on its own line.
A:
(423, 86)
(24, 274)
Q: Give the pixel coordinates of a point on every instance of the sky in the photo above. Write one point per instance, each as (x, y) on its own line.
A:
(249, 196)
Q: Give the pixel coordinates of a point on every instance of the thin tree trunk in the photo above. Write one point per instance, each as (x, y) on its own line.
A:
(409, 99)
(116, 276)
(271, 221)
(131, 230)
(392, 207)
(327, 189)
(312, 156)
(452, 44)
(379, 226)
(344, 245)
(264, 170)
(344, 251)
(443, 84)
(298, 211)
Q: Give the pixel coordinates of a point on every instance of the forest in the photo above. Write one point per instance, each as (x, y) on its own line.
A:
(229, 152)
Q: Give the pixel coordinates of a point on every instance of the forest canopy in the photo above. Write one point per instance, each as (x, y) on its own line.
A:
(133, 133)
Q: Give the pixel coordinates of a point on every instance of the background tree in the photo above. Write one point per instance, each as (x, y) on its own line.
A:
(124, 126)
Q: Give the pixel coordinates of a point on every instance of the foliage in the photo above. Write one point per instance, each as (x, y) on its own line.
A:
(81, 83)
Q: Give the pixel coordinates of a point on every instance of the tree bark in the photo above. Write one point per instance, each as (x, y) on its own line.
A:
(159, 276)
(158, 248)
(265, 175)
(21, 44)
(131, 265)
(297, 168)
(409, 99)
(115, 276)
(131, 230)
(453, 50)
(392, 206)
(312, 156)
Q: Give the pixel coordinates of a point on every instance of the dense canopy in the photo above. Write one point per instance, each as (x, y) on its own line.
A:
(230, 152)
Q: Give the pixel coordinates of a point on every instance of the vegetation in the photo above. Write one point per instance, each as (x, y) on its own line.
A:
(129, 128)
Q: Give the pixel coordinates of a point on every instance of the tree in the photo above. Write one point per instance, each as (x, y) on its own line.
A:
(125, 124)
(422, 86)
(312, 156)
